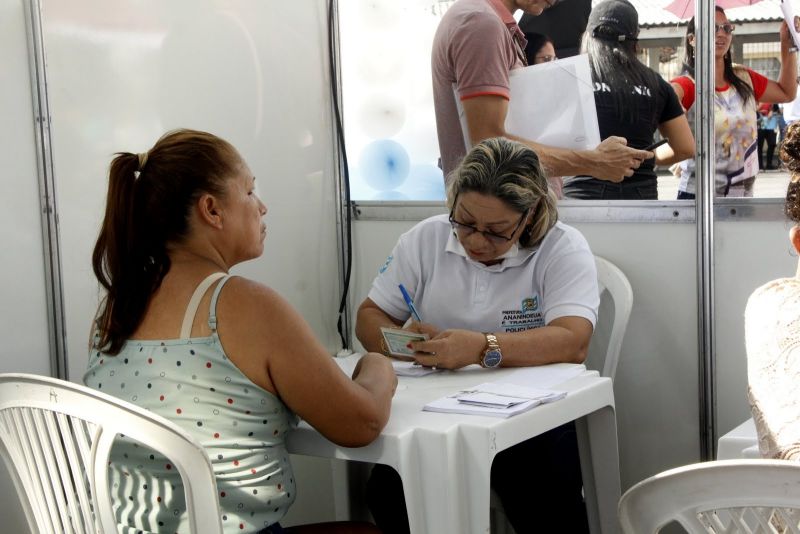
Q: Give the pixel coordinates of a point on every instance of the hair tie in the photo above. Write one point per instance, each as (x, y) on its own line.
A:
(142, 161)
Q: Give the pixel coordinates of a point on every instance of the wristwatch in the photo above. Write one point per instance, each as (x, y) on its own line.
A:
(491, 356)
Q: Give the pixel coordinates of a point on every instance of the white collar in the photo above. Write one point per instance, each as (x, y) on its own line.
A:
(513, 257)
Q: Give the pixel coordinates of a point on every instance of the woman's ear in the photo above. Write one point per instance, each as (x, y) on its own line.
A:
(210, 211)
(794, 237)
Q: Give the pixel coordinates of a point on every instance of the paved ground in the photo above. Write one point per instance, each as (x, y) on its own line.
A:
(769, 184)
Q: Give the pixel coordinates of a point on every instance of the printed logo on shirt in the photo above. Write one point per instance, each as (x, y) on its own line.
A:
(530, 304)
(386, 264)
(526, 318)
(602, 87)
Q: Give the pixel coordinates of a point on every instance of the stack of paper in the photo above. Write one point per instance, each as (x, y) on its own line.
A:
(494, 399)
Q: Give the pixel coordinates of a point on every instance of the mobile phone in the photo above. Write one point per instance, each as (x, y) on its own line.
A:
(656, 144)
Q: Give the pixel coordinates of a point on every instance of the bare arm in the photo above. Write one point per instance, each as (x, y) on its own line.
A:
(612, 160)
(785, 89)
(565, 339)
(369, 320)
(273, 346)
(681, 143)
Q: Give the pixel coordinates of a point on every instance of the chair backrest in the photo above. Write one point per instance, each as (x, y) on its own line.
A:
(731, 496)
(56, 436)
(614, 289)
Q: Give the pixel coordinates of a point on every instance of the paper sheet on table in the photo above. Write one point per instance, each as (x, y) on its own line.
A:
(494, 399)
(551, 103)
(545, 376)
(402, 368)
(792, 20)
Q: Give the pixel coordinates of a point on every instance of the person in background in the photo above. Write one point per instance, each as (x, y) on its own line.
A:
(632, 101)
(475, 47)
(782, 124)
(737, 93)
(761, 138)
(539, 49)
(498, 282)
(225, 358)
(772, 331)
(564, 21)
(773, 123)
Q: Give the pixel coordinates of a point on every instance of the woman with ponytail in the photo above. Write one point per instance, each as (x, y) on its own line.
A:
(225, 358)
(737, 92)
(498, 282)
(632, 102)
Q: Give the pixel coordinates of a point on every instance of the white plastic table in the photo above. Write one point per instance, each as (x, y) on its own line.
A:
(444, 460)
(741, 442)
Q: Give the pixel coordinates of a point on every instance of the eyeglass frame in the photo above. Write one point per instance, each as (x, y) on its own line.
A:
(728, 28)
(546, 58)
(492, 237)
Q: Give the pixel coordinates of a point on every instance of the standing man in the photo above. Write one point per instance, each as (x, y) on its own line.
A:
(476, 46)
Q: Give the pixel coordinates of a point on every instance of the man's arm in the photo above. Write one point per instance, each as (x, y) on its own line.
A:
(611, 160)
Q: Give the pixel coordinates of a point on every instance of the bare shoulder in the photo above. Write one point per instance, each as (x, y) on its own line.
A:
(249, 295)
(256, 307)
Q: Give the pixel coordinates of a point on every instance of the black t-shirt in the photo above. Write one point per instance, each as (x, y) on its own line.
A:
(653, 109)
(564, 23)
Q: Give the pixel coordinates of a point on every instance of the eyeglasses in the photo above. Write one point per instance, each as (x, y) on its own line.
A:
(727, 28)
(465, 230)
(544, 59)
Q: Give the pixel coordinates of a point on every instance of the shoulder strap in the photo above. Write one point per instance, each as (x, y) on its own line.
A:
(212, 312)
(194, 302)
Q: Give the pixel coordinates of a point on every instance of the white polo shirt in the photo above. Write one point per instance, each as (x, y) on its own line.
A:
(528, 289)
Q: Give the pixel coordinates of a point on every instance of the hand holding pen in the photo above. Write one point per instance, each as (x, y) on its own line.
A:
(410, 304)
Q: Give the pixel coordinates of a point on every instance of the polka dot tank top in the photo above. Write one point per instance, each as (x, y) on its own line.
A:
(191, 382)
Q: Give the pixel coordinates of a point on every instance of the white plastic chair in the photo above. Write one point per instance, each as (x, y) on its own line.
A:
(614, 285)
(55, 438)
(730, 496)
(603, 351)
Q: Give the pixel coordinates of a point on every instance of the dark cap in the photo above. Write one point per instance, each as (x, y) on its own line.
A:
(614, 20)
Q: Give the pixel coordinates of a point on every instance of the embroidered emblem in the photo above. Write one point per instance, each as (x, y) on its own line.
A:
(530, 304)
(386, 264)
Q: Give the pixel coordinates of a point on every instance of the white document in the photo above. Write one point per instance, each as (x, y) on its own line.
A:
(494, 399)
(551, 103)
(411, 369)
(545, 376)
(792, 20)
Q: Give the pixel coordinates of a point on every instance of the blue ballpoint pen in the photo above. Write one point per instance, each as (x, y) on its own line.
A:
(410, 303)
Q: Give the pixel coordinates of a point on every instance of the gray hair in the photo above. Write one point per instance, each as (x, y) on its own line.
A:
(511, 172)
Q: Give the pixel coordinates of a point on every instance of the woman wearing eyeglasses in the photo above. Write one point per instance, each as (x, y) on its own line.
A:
(738, 90)
(539, 48)
(498, 282)
(632, 101)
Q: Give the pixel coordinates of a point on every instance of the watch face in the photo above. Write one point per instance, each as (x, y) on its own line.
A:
(492, 358)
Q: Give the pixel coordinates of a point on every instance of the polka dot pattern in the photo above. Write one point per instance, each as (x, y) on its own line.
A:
(242, 427)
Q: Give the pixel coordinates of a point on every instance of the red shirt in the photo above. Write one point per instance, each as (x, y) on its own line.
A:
(759, 82)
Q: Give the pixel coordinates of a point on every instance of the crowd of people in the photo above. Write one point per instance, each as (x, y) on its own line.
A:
(174, 324)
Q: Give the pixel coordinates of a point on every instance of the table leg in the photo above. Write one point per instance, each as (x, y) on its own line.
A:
(597, 443)
(446, 483)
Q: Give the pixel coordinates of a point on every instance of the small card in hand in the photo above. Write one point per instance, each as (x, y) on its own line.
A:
(397, 340)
